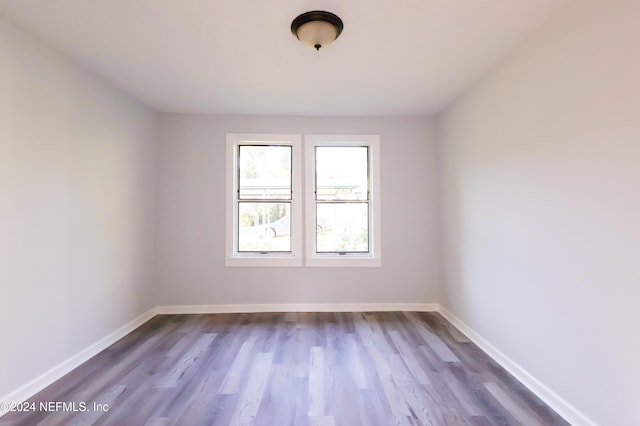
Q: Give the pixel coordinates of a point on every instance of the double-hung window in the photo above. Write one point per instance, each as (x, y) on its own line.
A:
(342, 200)
(264, 227)
(265, 223)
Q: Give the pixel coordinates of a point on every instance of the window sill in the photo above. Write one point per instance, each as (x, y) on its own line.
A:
(263, 261)
(344, 261)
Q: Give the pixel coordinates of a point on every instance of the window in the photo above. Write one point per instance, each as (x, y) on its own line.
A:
(342, 209)
(264, 223)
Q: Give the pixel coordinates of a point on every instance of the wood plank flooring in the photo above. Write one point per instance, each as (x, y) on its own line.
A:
(273, 369)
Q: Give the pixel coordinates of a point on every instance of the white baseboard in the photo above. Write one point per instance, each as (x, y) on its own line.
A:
(31, 388)
(552, 399)
(297, 307)
(562, 407)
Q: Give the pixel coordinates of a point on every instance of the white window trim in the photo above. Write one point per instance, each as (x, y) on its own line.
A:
(371, 259)
(232, 256)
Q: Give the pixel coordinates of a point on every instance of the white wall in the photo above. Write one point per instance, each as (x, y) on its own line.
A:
(191, 227)
(540, 189)
(77, 160)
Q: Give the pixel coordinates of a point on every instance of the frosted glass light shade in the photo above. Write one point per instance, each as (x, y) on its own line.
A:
(317, 29)
(317, 33)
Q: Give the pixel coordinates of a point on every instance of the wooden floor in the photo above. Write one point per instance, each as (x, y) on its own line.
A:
(274, 369)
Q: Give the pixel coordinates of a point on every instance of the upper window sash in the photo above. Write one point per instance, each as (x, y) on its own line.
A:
(268, 172)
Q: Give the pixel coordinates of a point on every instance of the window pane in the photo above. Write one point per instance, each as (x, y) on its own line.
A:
(342, 173)
(265, 172)
(264, 227)
(342, 227)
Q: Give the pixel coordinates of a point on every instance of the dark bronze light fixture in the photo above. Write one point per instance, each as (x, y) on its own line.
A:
(317, 28)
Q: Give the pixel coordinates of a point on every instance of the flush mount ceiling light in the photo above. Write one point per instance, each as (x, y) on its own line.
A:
(317, 28)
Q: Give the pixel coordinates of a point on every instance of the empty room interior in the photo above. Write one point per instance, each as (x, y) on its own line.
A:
(320, 212)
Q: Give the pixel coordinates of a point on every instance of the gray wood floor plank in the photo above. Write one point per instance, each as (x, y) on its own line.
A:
(160, 421)
(433, 342)
(462, 394)
(141, 406)
(409, 358)
(249, 400)
(398, 405)
(92, 415)
(520, 413)
(322, 421)
(282, 399)
(355, 363)
(186, 361)
(414, 395)
(316, 381)
(232, 381)
(380, 339)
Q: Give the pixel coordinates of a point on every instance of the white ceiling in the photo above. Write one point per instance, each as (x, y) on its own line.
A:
(403, 57)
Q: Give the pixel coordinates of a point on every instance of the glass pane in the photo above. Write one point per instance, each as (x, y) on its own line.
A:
(342, 173)
(265, 172)
(264, 227)
(342, 227)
